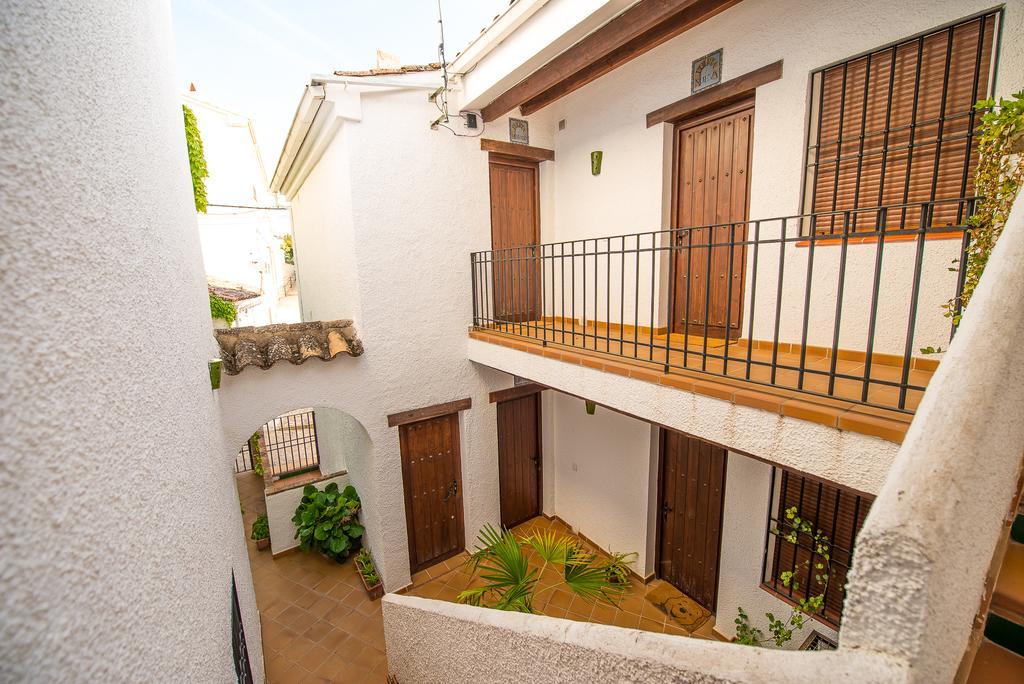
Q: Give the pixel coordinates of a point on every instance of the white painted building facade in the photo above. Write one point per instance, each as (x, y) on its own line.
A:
(387, 211)
(243, 226)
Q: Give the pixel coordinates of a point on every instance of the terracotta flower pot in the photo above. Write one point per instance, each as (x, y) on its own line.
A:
(374, 592)
(263, 544)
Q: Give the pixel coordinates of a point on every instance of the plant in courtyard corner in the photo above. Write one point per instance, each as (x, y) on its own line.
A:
(368, 571)
(327, 520)
(261, 532)
(999, 176)
(223, 309)
(781, 630)
(500, 560)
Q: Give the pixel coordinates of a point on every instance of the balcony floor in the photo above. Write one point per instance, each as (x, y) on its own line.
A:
(695, 368)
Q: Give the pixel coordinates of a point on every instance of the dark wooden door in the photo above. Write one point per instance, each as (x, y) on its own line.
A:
(432, 474)
(692, 488)
(712, 182)
(519, 459)
(515, 233)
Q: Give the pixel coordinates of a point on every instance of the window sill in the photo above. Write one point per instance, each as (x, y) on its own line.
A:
(872, 239)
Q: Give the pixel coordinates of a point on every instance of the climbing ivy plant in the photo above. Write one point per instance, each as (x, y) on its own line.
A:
(999, 176)
(222, 308)
(780, 630)
(196, 158)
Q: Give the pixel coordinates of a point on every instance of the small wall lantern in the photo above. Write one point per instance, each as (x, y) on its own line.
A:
(591, 407)
(215, 366)
(595, 162)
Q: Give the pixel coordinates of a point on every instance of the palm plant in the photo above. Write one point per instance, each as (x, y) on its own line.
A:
(501, 561)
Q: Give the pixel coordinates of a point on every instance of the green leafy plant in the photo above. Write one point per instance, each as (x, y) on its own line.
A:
(327, 521)
(780, 630)
(288, 247)
(223, 309)
(364, 562)
(617, 568)
(997, 179)
(510, 583)
(260, 528)
(932, 350)
(196, 159)
(257, 455)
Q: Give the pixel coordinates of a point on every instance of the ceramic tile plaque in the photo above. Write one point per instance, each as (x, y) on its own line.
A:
(519, 131)
(706, 72)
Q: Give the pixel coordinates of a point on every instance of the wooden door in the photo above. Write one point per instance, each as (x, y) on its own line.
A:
(712, 181)
(519, 459)
(432, 474)
(515, 233)
(691, 492)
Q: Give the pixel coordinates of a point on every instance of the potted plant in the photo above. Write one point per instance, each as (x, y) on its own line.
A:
(368, 574)
(261, 532)
(327, 521)
(617, 567)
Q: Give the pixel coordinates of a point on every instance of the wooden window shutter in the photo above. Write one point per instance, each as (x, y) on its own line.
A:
(897, 126)
(837, 512)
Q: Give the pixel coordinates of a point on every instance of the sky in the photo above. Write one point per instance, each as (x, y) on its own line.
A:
(255, 56)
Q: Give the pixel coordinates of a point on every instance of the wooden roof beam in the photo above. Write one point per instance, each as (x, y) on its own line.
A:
(642, 27)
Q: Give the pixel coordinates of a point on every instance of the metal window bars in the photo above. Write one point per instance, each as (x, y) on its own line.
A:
(845, 511)
(289, 446)
(825, 314)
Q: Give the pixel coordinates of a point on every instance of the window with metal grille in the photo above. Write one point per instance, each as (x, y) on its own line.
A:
(838, 513)
(897, 126)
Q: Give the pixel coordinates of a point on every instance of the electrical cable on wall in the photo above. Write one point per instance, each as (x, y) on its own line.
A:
(440, 96)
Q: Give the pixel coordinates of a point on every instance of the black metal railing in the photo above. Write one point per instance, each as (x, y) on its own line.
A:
(786, 301)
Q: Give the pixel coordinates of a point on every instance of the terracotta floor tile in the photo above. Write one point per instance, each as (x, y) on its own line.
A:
(334, 639)
(369, 658)
(314, 658)
(318, 630)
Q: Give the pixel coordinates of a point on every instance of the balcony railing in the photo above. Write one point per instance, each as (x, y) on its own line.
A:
(832, 304)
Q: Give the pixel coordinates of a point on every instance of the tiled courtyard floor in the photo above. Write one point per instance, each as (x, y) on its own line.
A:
(318, 625)
(446, 580)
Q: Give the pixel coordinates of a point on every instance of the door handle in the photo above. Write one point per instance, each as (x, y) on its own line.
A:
(451, 490)
(665, 508)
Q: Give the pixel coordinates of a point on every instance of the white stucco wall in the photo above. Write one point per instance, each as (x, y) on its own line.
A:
(120, 520)
(848, 458)
(436, 641)
(340, 438)
(600, 467)
(322, 223)
(280, 509)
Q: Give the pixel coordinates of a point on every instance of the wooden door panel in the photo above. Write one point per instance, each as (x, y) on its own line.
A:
(519, 459)
(431, 474)
(692, 486)
(515, 232)
(712, 181)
